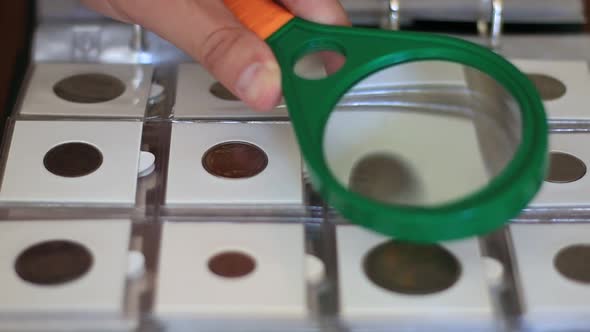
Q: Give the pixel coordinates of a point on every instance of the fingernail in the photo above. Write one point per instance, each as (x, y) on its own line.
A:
(258, 78)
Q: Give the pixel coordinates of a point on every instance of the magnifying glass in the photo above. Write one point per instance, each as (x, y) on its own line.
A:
(421, 137)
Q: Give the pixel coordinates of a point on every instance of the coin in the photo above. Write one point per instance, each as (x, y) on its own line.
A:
(221, 92)
(548, 87)
(411, 269)
(73, 159)
(53, 263)
(235, 160)
(565, 168)
(89, 88)
(572, 263)
(232, 264)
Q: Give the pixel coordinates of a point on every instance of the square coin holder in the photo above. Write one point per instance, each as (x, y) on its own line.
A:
(548, 266)
(89, 294)
(190, 183)
(122, 91)
(231, 278)
(563, 86)
(467, 303)
(110, 152)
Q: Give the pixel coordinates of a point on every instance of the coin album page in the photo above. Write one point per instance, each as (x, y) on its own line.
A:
(137, 193)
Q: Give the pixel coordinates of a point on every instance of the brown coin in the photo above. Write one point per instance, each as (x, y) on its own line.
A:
(548, 87)
(73, 159)
(412, 269)
(232, 264)
(235, 160)
(89, 88)
(53, 263)
(565, 168)
(221, 92)
(573, 262)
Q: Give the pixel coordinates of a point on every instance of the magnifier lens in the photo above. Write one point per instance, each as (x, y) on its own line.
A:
(422, 134)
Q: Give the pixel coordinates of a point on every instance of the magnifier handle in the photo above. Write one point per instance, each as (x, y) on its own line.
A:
(263, 17)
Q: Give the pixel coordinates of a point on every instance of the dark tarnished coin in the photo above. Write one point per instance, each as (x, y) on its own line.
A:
(89, 88)
(232, 264)
(235, 160)
(53, 263)
(573, 262)
(565, 168)
(412, 269)
(549, 88)
(384, 178)
(73, 159)
(221, 92)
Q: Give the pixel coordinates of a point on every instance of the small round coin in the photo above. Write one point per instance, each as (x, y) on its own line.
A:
(548, 87)
(218, 90)
(232, 264)
(73, 159)
(565, 168)
(411, 269)
(89, 88)
(53, 263)
(573, 263)
(235, 160)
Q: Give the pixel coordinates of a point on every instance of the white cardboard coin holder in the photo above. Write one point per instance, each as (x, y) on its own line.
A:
(274, 291)
(363, 304)
(190, 184)
(194, 99)
(39, 99)
(26, 181)
(95, 300)
(574, 75)
(571, 194)
(551, 301)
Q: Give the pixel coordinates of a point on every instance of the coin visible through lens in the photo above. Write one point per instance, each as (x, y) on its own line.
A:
(235, 160)
(53, 263)
(549, 87)
(221, 92)
(89, 88)
(412, 269)
(232, 264)
(573, 262)
(73, 159)
(565, 168)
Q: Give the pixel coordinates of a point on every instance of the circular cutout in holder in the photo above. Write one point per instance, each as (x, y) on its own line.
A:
(235, 160)
(565, 168)
(221, 92)
(232, 264)
(89, 88)
(73, 159)
(53, 263)
(549, 87)
(319, 64)
(572, 263)
(412, 269)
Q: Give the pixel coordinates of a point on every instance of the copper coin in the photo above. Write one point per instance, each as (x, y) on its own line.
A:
(221, 92)
(412, 269)
(548, 87)
(235, 160)
(53, 263)
(73, 159)
(573, 263)
(89, 88)
(565, 168)
(232, 264)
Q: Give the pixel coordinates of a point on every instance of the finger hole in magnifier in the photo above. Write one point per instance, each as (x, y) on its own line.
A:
(319, 64)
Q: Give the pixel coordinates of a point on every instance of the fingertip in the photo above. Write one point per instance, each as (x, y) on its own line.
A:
(259, 85)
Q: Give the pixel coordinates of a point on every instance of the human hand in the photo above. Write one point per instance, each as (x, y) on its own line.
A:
(207, 31)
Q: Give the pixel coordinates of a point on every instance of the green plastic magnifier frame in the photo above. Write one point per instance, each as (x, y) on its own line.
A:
(310, 103)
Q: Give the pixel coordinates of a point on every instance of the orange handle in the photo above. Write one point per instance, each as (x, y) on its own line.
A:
(263, 17)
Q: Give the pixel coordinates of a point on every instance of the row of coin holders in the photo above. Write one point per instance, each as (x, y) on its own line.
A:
(184, 158)
(84, 275)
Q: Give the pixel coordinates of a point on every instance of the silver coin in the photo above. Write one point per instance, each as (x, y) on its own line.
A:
(548, 87)
(565, 168)
(89, 88)
(573, 263)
